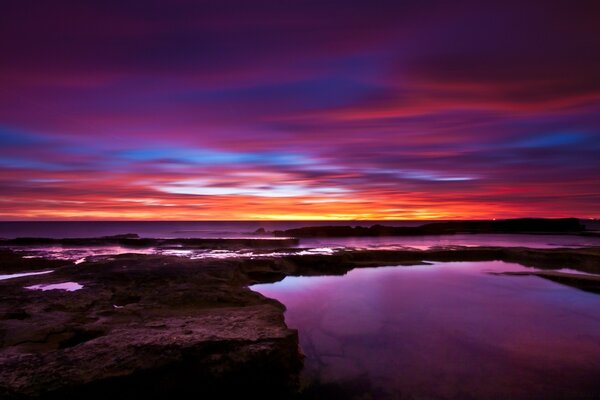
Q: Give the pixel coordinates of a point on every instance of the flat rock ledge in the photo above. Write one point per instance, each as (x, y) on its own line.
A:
(143, 327)
(185, 355)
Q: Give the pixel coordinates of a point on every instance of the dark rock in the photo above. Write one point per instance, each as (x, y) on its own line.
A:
(588, 283)
(122, 236)
(144, 326)
(12, 263)
(523, 225)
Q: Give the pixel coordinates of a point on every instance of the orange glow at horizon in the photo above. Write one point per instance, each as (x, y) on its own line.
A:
(292, 111)
(237, 207)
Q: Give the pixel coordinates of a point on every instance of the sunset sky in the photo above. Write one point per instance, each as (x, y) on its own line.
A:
(252, 109)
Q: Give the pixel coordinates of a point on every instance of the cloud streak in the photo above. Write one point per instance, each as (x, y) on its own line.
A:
(299, 110)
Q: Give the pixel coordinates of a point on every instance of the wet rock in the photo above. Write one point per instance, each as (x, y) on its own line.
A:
(588, 283)
(143, 326)
(12, 262)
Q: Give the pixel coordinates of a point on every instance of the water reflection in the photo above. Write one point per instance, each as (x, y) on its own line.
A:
(81, 254)
(66, 286)
(21, 274)
(318, 246)
(446, 330)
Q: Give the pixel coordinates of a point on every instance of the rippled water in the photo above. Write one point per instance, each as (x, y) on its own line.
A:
(446, 330)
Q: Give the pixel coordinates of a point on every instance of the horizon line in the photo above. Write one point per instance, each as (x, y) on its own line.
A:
(299, 220)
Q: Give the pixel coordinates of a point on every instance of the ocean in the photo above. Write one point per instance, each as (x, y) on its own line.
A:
(178, 229)
(164, 229)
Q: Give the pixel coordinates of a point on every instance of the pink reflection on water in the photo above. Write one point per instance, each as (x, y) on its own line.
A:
(21, 274)
(78, 254)
(447, 330)
(67, 286)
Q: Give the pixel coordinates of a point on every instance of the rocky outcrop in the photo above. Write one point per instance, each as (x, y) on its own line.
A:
(145, 326)
(522, 225)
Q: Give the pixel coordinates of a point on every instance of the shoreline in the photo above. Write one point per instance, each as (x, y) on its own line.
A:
(193, 327)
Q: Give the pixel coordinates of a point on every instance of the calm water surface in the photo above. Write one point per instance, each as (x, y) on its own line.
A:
(446, 330)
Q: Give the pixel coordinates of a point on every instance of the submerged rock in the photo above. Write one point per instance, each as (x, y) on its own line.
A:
(588, 283)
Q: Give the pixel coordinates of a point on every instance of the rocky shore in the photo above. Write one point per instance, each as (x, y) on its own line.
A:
(152, 326)
(512, 226)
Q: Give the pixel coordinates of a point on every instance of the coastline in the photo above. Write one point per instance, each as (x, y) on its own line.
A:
(145, 322)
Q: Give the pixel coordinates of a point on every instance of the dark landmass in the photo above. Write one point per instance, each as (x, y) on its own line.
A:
(152, 326)
(132, 240)
(522, 225)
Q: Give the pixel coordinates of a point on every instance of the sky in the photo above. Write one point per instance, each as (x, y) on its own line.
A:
(280, 109)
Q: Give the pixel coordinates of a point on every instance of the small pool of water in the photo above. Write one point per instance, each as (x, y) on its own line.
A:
(447, 330)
